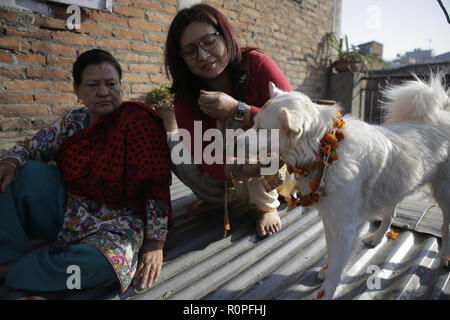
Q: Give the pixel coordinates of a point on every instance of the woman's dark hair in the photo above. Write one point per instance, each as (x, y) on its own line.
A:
(96, 57)
(184, 82)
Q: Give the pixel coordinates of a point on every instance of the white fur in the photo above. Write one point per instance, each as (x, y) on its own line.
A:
(377, 166)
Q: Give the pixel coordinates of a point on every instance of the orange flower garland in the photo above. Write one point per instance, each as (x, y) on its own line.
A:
(393, 235)
(327, 154)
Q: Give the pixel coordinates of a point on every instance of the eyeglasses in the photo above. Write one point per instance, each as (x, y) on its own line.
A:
(207, 43)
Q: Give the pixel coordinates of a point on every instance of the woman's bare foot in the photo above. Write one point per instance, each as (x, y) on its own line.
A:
(267, 223)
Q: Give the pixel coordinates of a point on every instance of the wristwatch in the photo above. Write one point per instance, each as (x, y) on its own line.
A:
(240, 111)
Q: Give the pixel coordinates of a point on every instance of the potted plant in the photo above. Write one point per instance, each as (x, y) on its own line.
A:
(161, 99)
(350, 58)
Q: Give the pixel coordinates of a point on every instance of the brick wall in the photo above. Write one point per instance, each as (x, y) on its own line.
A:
(37, 52)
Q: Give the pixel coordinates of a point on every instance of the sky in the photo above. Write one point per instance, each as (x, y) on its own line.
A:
(400, 25)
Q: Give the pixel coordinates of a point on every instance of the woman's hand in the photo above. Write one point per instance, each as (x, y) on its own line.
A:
(150, 263)
(217, 105)
(8, 172)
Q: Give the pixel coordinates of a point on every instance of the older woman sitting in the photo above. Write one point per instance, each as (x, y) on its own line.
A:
(107, 202)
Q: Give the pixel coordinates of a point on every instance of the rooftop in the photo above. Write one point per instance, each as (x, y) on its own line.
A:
(200, 264)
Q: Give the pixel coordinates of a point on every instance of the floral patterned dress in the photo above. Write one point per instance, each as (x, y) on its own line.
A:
(117, 233)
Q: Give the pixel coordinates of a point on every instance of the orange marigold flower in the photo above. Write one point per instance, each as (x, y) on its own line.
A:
(325, 149)
(331, 138)
(305, 202)
(339, 135)
(334, 156)
(339, 123)
(393, 235)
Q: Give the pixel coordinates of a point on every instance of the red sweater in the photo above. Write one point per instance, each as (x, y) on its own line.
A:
(262, 71)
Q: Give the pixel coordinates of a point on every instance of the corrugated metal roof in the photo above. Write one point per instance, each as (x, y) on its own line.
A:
(200, 264)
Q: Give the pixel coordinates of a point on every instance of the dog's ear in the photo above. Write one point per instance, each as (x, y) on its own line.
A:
(287, 123)
(273, 90)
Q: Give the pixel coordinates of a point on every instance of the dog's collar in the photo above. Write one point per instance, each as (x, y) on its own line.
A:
(325, 156)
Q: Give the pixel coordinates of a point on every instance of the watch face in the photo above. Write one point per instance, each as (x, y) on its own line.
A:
(241, 106)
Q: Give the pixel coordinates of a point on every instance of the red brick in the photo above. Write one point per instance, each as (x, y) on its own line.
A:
(15, 124)
(145, 4)
(114, 43)
(251, 3)
(129, 56)
(71, 37)
(14, 44)
(96, 28)
(160, 17)
(53, 60)
(171, 10)
(140, 46)
(47, 73)
(128, 11)
(158, 78)
(41, 46)
(59, 109)
(40, 34)
(109, 18)
(64, 86)
(11, 73)
(23, 85)
(31, 58)
(143, 25)
(6, 57)
(145, 67)
(54, 48)
(24, 111)
(141, 88)
(9, 97)
(50, 23)
(63, 50)
(127, 34)
(161, 38)
(135, 78)
(55, 97)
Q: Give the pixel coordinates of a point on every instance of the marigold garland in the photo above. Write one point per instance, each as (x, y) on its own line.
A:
(327, 155)
(392, 234)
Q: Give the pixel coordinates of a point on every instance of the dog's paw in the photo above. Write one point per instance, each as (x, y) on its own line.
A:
(322, 273)
(372, 240)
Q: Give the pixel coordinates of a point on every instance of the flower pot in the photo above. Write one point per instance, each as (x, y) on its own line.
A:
(347, 66)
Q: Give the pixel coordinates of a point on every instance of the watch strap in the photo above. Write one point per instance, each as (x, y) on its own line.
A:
(240, 111)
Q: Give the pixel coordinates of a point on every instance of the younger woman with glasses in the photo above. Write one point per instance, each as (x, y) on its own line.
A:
(217, 83)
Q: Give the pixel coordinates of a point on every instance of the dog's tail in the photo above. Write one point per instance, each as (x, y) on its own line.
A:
(417, 100)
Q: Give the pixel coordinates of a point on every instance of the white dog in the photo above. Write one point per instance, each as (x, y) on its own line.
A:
(373, 166)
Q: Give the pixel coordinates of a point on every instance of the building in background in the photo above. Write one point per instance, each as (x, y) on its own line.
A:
(376, 49)
(419, 56)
